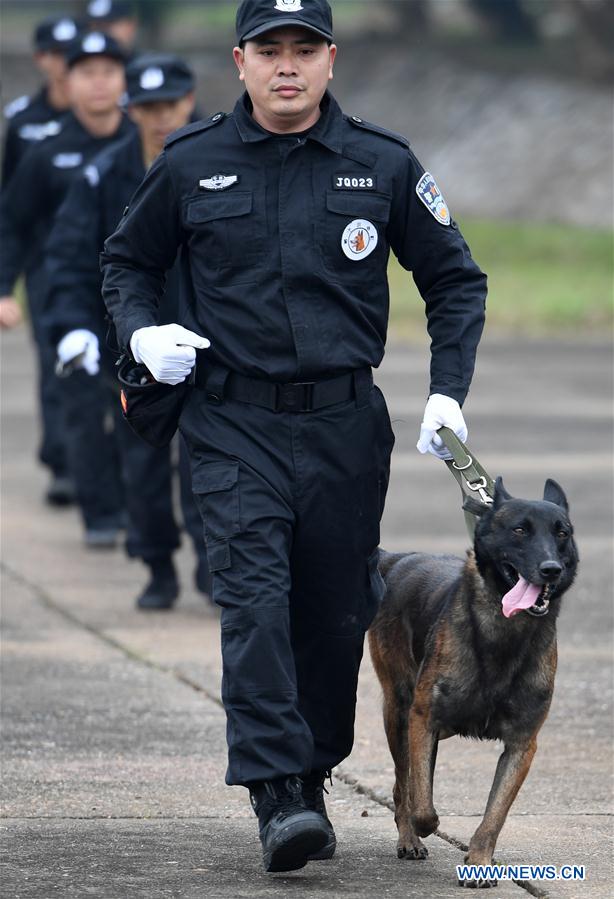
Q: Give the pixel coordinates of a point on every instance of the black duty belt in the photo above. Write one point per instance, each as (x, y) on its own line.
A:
(294, 396)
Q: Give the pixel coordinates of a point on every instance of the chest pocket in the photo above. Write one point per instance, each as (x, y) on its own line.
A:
(342, 211)
(228, 229)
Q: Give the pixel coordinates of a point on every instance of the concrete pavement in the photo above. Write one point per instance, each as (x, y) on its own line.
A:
(114, 752)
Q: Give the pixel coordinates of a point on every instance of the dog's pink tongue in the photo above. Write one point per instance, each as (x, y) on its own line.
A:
(522, 596)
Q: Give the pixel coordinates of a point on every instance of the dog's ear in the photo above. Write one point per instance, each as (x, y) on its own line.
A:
(553, 493)
(501, 493)
(470, 504)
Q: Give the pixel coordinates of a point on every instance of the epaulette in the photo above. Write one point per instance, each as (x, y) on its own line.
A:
(194, 128)
(376, 129)
(17, 105)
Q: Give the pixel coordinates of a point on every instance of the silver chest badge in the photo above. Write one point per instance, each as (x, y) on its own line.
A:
(218, 182)
(359, 239)
(67, 160)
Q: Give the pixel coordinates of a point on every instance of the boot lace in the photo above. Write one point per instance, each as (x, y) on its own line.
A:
(314, 789)
(280, 799)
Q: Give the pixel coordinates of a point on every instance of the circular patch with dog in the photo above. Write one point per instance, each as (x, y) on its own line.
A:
(359, 239)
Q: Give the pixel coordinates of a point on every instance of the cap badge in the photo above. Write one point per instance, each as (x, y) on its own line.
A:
(94, 43)
(359, 239)
(99, 8)
(218, 182)
(288, 5)
(64, 30)
(152, 78)
(431, 196)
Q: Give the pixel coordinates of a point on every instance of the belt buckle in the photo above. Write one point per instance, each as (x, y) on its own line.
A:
(295, 396)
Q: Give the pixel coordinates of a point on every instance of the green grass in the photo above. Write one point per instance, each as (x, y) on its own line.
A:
(541, 279)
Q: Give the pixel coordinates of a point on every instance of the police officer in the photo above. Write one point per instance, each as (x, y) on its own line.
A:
(32, 119)
(288, 210)
(160, 92)
(116, 18)
(27, 208)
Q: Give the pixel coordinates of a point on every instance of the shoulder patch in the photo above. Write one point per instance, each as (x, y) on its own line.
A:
(17, 105)
(357, 122)
(195, 128)
(431, 196)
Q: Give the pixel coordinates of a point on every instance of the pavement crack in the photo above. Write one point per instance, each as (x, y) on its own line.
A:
(50, 603)
(47, 600)
(358, 787)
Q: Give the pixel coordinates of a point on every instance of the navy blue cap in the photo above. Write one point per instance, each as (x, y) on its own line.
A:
(94, 44)
(109, 11)
(255, 17)
(56, 33)
(158, 76)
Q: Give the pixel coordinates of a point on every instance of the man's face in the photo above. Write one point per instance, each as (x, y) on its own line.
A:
(52, 64)
(158, 119)
(96, 84)
(286, 72)
(123, 30)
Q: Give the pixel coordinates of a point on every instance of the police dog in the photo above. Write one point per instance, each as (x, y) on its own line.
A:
(469, 648)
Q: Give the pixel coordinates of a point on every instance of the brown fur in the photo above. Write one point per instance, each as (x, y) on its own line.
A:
(449, 663)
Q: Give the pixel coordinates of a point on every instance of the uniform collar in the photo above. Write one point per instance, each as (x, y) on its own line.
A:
(326, 131)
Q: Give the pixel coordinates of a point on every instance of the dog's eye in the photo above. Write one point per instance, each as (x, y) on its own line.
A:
(520, 531)
(562, 535)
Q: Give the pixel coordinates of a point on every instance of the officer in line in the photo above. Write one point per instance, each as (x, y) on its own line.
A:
(287, 210)
(116, 18)
(29, 121)
(160, 92)
(32, 119)
(27, 208)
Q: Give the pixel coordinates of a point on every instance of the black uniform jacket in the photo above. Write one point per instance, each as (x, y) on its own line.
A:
(90, 212)
(36, 189)
(28, 121)
(287, 241)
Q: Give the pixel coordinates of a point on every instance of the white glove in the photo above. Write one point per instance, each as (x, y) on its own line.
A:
(79, 347)
(168, 351)
(441, 411)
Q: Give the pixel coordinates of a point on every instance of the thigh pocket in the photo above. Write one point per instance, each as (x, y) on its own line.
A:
(216, 488)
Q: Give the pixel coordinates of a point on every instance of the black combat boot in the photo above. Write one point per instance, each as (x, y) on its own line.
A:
(290, 833)
(313, 796)
(163, 588)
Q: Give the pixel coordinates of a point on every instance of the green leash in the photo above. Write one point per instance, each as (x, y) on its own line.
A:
(474, 481)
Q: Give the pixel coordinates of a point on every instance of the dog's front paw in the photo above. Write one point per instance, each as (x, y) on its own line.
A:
(413, 849)
(426, 824)
(480, 883)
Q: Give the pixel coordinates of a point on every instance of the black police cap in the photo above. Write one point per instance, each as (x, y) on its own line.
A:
(109, 11)
(158, 76)
(55, 33)
(94, 44)
(255, 17)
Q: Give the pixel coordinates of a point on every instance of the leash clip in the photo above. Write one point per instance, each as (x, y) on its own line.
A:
(480, 487)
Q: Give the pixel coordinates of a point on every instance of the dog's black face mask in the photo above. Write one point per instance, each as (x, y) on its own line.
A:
(527, 548)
